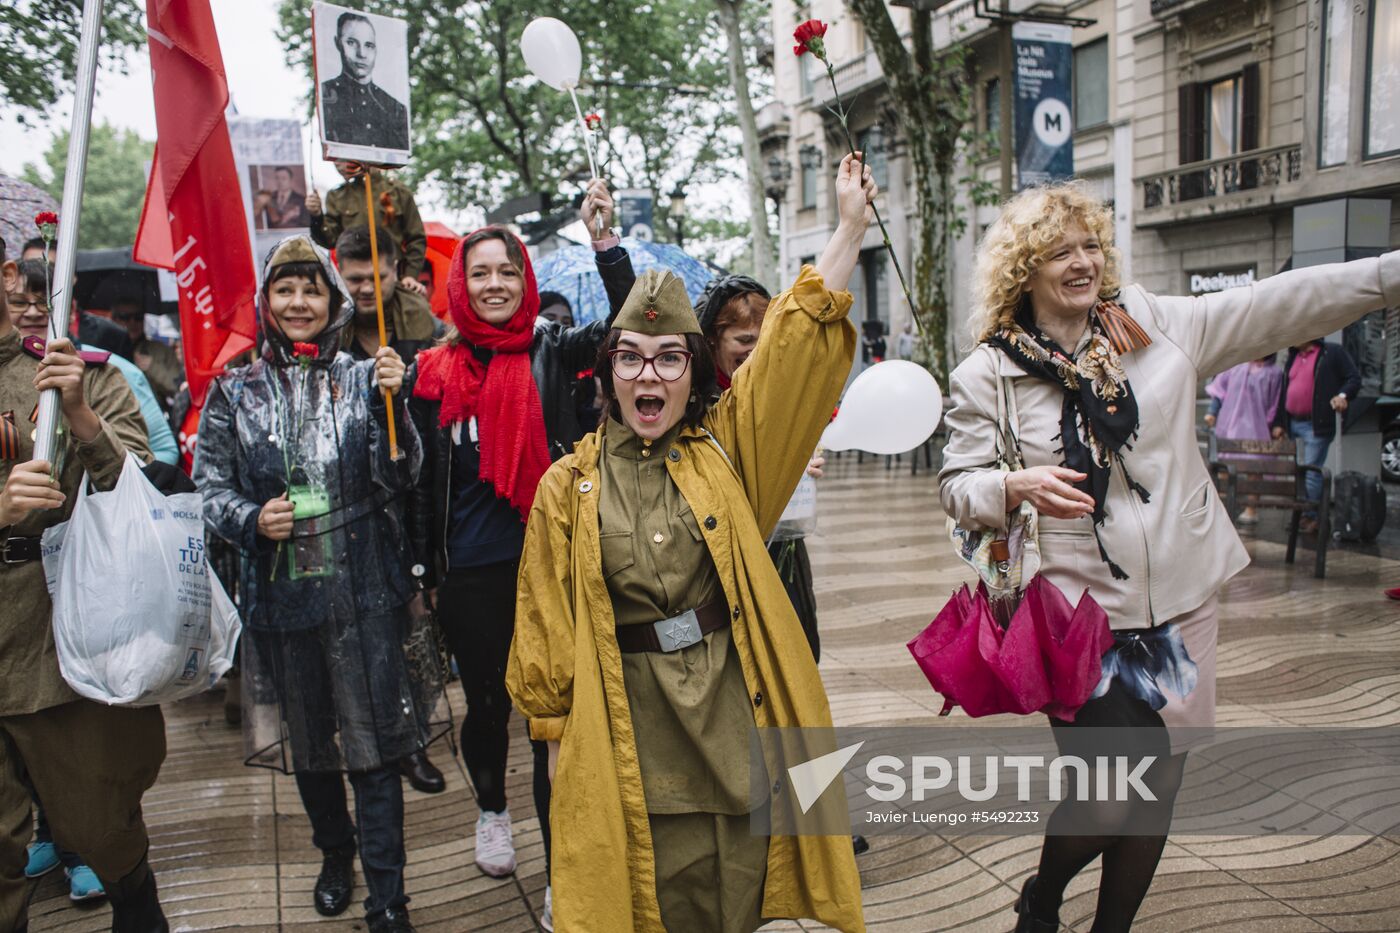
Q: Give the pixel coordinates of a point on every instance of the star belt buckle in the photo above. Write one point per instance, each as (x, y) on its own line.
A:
(678, 632)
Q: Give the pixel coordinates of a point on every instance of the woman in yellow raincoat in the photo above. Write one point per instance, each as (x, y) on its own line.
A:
(653, 632)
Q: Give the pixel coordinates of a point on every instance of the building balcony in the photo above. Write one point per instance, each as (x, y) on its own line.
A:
(774, 123)
(1217, 187)
(853, 76)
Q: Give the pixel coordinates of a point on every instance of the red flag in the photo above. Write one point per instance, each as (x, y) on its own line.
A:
(193, 220)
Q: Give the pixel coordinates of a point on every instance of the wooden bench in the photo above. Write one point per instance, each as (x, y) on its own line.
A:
(1269, 472)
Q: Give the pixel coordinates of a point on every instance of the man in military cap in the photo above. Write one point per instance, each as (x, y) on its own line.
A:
(355, 109)
(89, 763)
(395, 210)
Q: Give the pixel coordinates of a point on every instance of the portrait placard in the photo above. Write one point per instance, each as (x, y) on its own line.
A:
(361, 64)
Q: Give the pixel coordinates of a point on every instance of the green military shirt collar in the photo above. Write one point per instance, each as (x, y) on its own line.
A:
(10, 346)
(620, 441)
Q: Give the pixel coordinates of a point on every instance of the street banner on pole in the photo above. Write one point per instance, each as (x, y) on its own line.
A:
(194, 220)
(1044, 60)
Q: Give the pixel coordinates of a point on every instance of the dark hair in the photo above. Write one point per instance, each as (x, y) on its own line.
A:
(35, 242)
(718, 292)
(354, 245)
(513, 251)
(31, 277)
(350, 18)
(703, 383)
(282, 168)
(550, 299)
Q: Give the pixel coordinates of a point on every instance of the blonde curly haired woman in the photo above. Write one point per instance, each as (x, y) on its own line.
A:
(1103, 378)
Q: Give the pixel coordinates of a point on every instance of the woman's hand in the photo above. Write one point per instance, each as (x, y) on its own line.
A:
(62, 369)
(388, 369)
(313, 204)
(814, 467)
(275, 519)
(1210, 421)
(597, 202)
(28, 487)
(553, 759)
(1276, 433)
(1049, 489)
(855, 192)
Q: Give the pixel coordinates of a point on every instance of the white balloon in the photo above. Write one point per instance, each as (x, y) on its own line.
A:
(552, 52)
(892, 407)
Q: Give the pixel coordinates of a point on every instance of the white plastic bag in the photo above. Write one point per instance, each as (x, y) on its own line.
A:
(799, 518)
(139, 618)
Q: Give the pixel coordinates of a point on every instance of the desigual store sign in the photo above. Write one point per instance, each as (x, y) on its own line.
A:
(1217, 280)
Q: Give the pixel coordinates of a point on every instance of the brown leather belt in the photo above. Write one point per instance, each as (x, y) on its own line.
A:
(674, 633)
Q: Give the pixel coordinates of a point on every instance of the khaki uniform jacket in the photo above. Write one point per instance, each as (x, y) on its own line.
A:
(1180, 547)
(29, 676)
(344, 207)
(565, 671)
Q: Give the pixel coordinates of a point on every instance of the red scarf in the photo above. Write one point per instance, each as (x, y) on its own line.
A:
(501, 395)
(721, 379)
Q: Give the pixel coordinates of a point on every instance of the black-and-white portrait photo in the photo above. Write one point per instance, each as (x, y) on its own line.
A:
(362, 77)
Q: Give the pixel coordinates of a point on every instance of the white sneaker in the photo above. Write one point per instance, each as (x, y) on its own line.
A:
(547, 915)
(495, 850)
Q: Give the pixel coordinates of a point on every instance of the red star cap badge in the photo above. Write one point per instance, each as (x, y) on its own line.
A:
(651, 314)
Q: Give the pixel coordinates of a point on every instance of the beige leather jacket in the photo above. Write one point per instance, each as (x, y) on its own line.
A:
(1179, 547)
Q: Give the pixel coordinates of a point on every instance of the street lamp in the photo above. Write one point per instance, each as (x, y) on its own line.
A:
(809, 157)
(678, 213)
(779, 174)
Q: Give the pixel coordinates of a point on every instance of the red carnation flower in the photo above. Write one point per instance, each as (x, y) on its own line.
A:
(593, 120)
(47, 222)
(809, 38)
(307, 351)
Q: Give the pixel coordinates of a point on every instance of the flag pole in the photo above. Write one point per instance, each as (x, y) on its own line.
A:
(394, 452)
(69, 216)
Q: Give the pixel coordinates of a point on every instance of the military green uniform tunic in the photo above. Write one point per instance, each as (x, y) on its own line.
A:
(690, 708)
(89, 763)
(29, 677)
(344, 208)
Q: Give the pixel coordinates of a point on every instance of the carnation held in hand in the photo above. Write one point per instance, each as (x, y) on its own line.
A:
(809, 38)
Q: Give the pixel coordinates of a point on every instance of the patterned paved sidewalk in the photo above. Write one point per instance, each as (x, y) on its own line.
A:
(232, 847)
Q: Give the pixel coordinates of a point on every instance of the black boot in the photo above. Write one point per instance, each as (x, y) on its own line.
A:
(135, 907)
(860, 843)
(393, 920)
(422, 775)
(1026, 919)
(336, 881)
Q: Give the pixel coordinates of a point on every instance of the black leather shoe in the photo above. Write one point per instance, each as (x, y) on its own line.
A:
(393, 920)
(336, 882)
(860, 844)
(135, 906)
(1026, 921)
(422, 775)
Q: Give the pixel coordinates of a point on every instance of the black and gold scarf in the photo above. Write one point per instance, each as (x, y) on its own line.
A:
(1099, 415)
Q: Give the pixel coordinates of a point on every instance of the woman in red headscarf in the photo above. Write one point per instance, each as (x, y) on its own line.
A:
(494, 404)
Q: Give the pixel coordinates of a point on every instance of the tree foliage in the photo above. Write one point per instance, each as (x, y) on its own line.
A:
(485, 129)
(114, 187)
(931, 90)
(40, 43)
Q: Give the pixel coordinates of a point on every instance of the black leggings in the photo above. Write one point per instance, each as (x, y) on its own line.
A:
(476, 609)
(1104, 827)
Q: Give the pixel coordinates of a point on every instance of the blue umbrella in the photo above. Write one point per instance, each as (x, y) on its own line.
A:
(572, 272)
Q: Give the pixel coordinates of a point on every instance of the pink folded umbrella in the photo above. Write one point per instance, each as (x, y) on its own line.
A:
(1047, 659)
